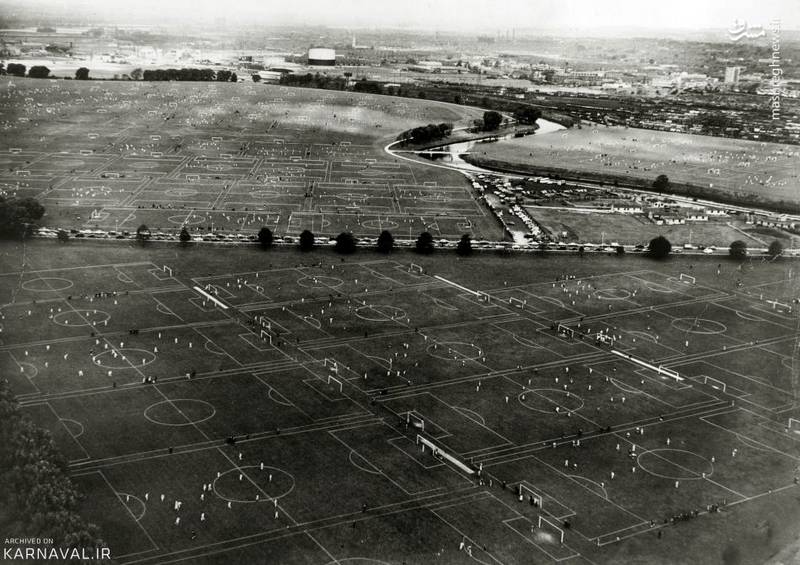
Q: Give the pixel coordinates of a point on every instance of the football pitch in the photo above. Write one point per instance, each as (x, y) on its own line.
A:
(279, 407)
(229, 158)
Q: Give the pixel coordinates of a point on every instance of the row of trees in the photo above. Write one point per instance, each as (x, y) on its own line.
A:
(346, 243)
(660, 248)
(35, 489)
(427, 134)
(195, 75)
(18, 70)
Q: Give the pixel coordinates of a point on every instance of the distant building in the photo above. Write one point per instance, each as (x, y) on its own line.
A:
(732, 75)
(321, 56)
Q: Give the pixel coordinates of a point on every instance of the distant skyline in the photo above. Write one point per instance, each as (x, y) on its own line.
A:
(445, 15)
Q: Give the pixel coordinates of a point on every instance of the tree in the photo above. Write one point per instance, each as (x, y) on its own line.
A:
(82, 74)
(620, 250)
(234, 78)
(19, 216)
(256, 78)
(142, 234)
(345, 243)
(659, 247)
(16, 69)
(527, 115)
(39, 71)
(265, 237)
(63, 236)
(424, 243)
(385, 242)
(464, 246)
(184, 236)
(306, 241)
(738, 249)
(661, 183)
(492, 120)
(775, 249)
(136, 74)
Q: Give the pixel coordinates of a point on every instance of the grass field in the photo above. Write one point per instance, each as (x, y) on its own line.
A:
(745, 169)
(230, 157)
(591, 226)
(327, 373)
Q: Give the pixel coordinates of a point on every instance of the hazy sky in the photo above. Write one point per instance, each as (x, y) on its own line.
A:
(460, 15)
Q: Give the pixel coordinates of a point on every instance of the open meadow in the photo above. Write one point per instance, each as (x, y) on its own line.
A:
(388, 409)
(747, 170)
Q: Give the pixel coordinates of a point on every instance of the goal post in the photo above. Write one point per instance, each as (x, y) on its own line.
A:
(526, 493)
(775, 304)
(552, 525)
(413, 419)
(670, 373)
(605, 339)
(414, 268)
(715, 383)
(793, 425)
(687, 278)
(513, 301)
(335, 382)
(566, 331)
(440, 453)
(266, 336)
(331, 364)
(483, 296)
(167, 270)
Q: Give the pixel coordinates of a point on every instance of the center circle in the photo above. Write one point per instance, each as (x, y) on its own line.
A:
(264, 194)
(352, 197)
(613, 294)
(546, 400)
(256, 482)
(380, 224)
(180, 192)
(698, 326)
(47, 284)
(78, 318)
(127, 358)
(380, 313)
(183, 220)
(320, 281)
(454, 351)
(675, 464)
(179, 412)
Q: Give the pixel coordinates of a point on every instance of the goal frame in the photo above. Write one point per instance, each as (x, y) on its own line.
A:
(552, 525)
(716, 384)
(562, 329)
(527, 492)
(417, 418)
(333, 379)
(688, 279)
